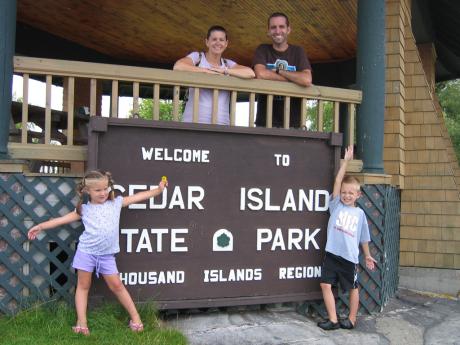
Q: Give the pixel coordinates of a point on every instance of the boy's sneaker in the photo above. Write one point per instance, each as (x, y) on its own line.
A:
(328, 325)
(346, 324)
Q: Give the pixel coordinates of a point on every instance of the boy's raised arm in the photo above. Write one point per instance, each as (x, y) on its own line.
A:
(343, 168)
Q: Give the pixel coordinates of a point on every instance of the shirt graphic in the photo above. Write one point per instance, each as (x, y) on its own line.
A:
(347, 223)
(281, 64)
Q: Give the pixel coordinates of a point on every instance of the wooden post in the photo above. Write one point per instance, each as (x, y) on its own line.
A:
(7, 37)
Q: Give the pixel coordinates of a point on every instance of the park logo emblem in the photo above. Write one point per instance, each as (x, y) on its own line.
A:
(222, 241)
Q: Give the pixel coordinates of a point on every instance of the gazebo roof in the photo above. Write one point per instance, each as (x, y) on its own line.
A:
(162, 31)
(157, 33)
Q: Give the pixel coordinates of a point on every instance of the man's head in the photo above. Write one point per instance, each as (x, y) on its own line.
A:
(350, 191)
(278, 29)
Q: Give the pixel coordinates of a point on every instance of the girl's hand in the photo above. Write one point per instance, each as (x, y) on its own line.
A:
(370, 262)
(163, 184)
(34, 231)
(348, 153)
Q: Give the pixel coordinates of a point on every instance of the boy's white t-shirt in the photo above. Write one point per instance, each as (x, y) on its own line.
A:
(346, 229)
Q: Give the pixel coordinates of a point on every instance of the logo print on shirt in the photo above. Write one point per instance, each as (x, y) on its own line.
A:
(347, 223)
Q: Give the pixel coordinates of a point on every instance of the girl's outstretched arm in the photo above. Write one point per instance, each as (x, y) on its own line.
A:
(52, 223)
(141, 196)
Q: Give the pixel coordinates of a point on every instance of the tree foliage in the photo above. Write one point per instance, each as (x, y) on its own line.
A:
(312, 118)
(449, 98)
(166, 109)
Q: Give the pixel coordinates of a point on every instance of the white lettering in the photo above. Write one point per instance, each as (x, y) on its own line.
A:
(269, 207)
(129, 238)
(132, 190)
(192, 197)
(299, 272)
(147, 154)
(152, 278)
(232, 275)
(263, 236)
(294, 239)
(143, 243)
(258, 202)
(176, 199)
(175, 240)
(257, 199)
(176, 155)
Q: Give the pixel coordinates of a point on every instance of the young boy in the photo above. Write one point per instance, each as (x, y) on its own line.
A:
(347, 228)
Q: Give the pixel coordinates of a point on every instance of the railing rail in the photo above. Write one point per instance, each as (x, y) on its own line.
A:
(71, 71)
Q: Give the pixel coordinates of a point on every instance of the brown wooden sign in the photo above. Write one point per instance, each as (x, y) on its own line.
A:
(243, 220)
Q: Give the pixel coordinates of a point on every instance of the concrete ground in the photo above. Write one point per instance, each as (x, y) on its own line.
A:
(409, 318)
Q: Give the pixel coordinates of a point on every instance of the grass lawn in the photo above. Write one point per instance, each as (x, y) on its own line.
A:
(51, 323)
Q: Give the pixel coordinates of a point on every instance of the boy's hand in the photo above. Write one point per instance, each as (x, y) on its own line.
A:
(34, 231)
(370, 262)
(348, 153)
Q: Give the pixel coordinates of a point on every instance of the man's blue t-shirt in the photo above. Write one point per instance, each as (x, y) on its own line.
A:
(347, 228)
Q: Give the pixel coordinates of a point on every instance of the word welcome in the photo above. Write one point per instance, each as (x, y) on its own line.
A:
(175, 155)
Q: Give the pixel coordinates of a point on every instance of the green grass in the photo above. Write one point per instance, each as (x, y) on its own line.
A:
(51, 323)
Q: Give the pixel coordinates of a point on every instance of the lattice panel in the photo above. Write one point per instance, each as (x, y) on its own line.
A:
(40, 269)
(381, 204)
(391, 241)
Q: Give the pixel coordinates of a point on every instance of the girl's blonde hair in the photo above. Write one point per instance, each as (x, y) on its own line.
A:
(87, 179)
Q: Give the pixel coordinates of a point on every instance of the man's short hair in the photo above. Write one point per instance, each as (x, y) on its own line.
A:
(349, 179)
(278, 14)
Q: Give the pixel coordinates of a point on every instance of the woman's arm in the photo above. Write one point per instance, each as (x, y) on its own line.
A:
(52, 223)
(186, 64)
(241, 72)
(235, 71)
(141, 196)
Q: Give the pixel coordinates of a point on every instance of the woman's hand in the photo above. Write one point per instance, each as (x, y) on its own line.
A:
(34, 231)
(214, 70)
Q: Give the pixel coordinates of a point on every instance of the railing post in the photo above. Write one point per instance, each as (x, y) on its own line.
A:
(7, 46)
(371, 80)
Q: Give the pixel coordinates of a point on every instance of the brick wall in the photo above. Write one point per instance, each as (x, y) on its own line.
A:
(418, 151)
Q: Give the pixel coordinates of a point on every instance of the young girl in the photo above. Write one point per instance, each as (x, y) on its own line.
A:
(99, 243)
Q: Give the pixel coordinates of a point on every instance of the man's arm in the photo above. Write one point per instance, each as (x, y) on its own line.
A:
(341, 173)
(264, 73)
(302, 78)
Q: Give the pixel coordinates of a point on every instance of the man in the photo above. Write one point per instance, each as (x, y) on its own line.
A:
(281, 61)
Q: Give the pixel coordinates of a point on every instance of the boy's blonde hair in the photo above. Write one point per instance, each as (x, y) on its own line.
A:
(349, 179)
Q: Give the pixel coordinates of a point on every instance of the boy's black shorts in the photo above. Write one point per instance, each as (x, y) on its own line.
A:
(338, 270)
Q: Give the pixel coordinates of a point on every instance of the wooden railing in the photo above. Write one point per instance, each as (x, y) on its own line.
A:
(48, 69)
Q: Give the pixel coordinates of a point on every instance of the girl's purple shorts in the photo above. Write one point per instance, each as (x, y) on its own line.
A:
(103, 264)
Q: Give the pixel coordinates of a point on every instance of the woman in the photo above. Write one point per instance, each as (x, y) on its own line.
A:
(211, 62)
